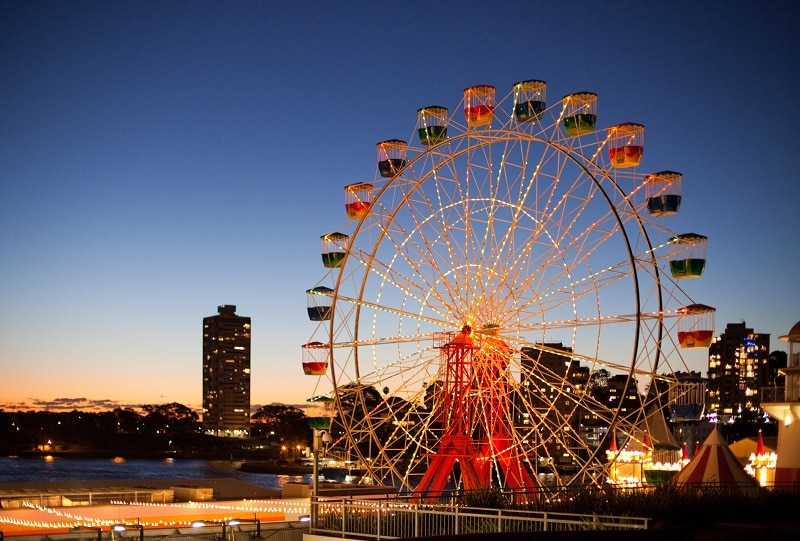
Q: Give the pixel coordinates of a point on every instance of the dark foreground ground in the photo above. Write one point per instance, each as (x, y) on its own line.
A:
(716, 532)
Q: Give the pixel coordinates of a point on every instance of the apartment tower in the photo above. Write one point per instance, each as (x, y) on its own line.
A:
(738, 368)
(226, 374)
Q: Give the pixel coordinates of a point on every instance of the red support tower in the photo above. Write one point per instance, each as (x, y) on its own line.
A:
(475, 386)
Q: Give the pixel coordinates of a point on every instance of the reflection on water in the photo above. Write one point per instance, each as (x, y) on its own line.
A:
(49, 468)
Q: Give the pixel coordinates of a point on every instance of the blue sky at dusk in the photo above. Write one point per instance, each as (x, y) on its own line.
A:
(158, 159)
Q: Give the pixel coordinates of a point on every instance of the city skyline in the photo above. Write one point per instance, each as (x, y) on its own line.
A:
(159, 161)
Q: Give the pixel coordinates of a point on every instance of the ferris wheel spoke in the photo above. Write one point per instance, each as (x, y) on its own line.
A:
(416, 256)
(567, 294)
(611, 273)
(413, 287)
(589, 360)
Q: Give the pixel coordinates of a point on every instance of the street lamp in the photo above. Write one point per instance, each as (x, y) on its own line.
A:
(117, 529)
(239, 521)
(320, 437)
(320, 413)
(204, 523)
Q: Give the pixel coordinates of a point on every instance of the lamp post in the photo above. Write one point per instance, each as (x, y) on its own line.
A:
(320, 413)
(320, 437)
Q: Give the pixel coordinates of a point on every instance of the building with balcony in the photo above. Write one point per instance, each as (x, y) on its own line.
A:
(783, 404)
(738, 367)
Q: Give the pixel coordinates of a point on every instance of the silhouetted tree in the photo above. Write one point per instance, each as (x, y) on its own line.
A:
(127, 421)
(598, 385)
(777, 360)
(281, 422)
(171, 418)
(362, 408)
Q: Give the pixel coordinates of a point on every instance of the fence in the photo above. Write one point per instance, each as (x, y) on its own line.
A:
(394, 519)
(367, 519)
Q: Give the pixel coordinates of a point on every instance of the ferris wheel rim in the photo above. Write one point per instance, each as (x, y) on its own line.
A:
(349, 310)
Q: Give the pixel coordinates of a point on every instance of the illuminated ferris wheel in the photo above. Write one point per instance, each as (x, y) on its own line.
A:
(496, 271)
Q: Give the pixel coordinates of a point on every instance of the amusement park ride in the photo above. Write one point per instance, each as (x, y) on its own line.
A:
(509, 225)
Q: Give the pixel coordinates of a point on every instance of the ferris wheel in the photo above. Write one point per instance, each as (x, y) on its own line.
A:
(501, 266)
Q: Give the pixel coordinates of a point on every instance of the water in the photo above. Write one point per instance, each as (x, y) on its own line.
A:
(33, 469)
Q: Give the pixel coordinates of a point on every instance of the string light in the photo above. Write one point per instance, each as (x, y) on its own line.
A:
(263, 510)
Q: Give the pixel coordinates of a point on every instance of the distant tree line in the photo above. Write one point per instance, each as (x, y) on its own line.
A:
(149, 430)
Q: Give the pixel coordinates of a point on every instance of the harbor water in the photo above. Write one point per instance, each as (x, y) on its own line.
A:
(42, 469)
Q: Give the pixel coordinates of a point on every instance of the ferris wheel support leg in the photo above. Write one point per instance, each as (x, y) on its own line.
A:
(431, 486)
(452, 448)
(517, 476)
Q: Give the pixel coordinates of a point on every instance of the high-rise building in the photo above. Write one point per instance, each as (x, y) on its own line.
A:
(623, 393)
(551, 383)
(226, 373)
(738, 367)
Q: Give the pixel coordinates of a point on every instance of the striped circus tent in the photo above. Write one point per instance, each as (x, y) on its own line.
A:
(715, 465)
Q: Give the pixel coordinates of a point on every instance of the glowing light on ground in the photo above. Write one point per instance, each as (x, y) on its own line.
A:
(38, 519)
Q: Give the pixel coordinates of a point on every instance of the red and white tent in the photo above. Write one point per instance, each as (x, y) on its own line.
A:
(715, 464)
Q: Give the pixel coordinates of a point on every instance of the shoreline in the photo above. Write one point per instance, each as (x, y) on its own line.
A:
(224, 489)
(134, 454)
(244, 464)
(270, 466)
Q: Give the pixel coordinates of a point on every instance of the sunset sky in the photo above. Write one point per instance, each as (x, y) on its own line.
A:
(159, 159)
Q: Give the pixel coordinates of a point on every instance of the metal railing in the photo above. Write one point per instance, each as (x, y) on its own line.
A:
(790, 393)
(274, 531)
(773, 394)
(395, 519)
(12, 500)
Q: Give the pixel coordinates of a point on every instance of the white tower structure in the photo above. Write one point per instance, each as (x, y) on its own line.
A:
(783, 403)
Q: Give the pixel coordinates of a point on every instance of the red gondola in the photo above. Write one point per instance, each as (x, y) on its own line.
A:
(696, 326)
(358, 199)
(626, 144)
(479, 103)
(315, 358)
